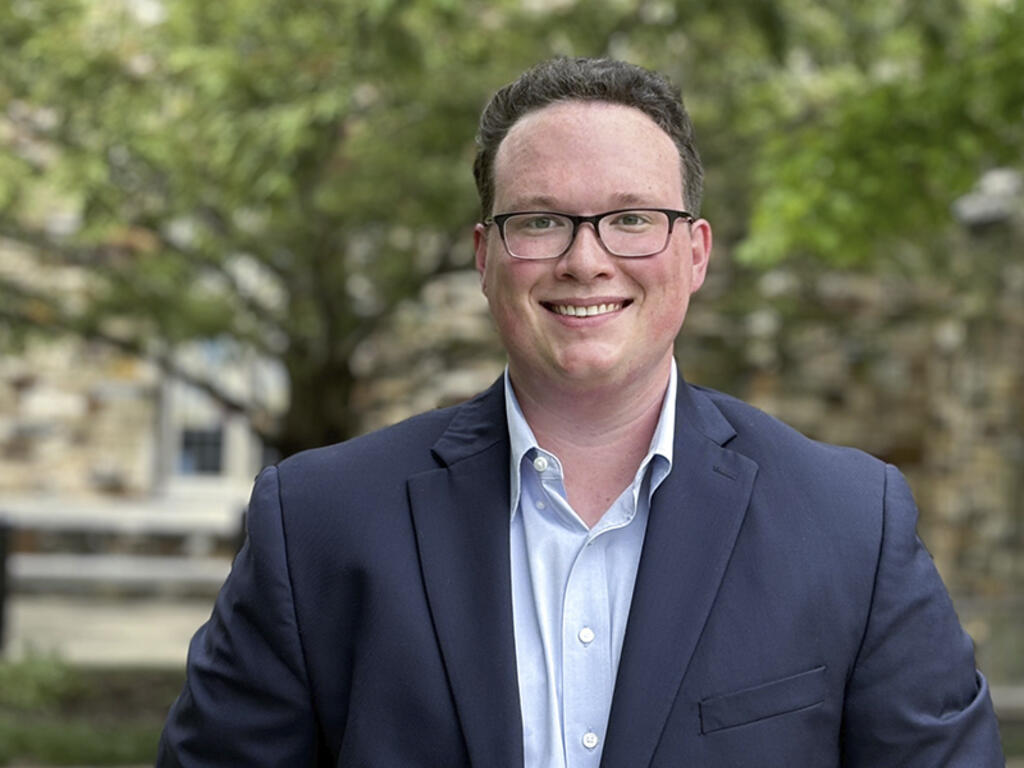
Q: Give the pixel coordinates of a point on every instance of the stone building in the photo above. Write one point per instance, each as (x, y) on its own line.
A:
(93, 441)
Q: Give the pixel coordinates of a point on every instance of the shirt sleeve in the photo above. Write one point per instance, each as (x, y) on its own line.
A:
(914, 698)
(246, 697)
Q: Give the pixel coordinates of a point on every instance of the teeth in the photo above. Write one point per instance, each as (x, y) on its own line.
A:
(591, 311)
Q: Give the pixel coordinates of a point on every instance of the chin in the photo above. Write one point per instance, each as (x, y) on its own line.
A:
(602, 370)
(592, 372)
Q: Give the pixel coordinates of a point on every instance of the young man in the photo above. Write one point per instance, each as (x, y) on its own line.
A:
(593, 562)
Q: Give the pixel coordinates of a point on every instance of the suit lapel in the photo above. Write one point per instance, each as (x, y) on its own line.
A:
(695, 517)
(461, 516)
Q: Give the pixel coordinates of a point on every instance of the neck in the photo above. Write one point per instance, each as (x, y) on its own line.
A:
(600, 437)
(584, 412)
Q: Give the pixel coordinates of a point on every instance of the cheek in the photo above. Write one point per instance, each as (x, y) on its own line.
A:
(505, 284)
(671, 291)
(504, 300)
(490, 283)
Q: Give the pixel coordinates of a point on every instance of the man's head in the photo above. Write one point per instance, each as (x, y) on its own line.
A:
(607, 80)
(589, 266)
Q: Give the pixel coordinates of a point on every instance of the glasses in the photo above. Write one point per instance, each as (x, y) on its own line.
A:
(630, 232)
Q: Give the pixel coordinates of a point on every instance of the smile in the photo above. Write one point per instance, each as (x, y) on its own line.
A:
(590, 311)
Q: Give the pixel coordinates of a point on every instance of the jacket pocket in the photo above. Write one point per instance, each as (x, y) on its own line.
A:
(763, 701)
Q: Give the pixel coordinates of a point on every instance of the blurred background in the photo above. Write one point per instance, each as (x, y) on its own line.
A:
(234, 230)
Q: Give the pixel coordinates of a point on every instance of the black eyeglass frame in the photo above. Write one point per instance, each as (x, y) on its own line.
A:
(500, 218)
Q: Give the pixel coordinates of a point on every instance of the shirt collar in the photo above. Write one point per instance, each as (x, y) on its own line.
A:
(522, 440)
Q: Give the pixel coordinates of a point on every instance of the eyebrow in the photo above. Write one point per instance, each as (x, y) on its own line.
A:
(534, 203)
(547, 203)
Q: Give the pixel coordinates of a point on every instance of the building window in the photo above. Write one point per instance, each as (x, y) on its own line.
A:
(201, 451)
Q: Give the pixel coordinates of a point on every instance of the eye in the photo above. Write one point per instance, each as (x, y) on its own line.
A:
(540, 222)
(536, 223)
(631, 220)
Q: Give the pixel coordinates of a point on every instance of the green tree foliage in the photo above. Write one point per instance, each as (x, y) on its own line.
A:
(283, 174)
(878, 143)
(277, 174)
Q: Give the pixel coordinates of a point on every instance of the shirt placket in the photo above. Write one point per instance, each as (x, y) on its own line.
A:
(585, 635)
(587, 678)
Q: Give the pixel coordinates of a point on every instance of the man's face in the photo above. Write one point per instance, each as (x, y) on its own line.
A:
(586, 158)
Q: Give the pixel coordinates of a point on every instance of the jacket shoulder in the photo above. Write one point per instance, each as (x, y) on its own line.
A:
(775, 445)
(406, 442)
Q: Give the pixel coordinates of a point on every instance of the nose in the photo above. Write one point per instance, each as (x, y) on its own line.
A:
(586, 258)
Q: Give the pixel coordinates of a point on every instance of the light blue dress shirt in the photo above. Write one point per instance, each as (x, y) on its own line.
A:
(571, 591)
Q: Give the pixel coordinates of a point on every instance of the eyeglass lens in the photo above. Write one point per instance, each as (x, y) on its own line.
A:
(624, 233)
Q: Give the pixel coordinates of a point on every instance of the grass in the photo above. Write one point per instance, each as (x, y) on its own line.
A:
(1013, 739)
(54, 714)
(55, 742)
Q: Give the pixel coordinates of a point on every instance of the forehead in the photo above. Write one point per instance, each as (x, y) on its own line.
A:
(584, 155)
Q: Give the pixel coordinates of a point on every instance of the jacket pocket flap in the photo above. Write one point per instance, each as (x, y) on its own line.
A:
(767, 700)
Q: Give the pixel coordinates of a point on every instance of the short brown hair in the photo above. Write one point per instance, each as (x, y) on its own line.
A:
(581, 79)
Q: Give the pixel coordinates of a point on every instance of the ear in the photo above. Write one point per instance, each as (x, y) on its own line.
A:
(480, 250)
(700, 253)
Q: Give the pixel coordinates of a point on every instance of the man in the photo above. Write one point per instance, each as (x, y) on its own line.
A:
(593, 562)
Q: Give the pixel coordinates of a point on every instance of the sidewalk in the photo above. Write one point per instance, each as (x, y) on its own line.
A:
(104, 631)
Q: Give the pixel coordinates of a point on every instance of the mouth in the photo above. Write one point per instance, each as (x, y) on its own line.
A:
(587, 310)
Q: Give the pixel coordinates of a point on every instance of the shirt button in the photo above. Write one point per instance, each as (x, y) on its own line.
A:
(586, 635)
(539, 504)
(590, 740)
(540, 463)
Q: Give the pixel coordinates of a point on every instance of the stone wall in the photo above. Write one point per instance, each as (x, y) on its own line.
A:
(880, 364)
(75, 419)
(923, 369)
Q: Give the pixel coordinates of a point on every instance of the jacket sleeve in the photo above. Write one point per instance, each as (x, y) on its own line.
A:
(246, 698)
(914, 698)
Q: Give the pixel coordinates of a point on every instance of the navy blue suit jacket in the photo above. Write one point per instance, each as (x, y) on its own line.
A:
(785, 613)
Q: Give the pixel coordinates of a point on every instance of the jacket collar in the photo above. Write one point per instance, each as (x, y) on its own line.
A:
(460, 516)
(696, 515)
(477, 425)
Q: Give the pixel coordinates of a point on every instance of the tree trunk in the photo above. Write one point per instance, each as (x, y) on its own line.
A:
(320, 409)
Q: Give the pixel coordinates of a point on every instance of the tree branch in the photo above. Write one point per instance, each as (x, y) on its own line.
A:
(261, 421)
(99, 258)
